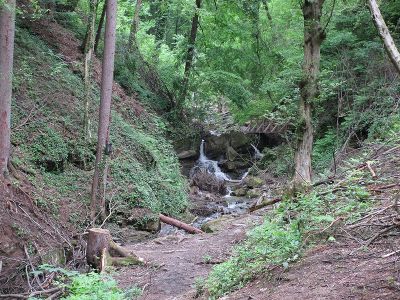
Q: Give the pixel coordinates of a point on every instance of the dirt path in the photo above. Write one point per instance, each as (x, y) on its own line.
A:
(176, 261)
(339, 270)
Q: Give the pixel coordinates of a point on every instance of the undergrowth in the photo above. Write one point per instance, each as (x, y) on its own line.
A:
(49, 146)
(87, 286)
(287, 231)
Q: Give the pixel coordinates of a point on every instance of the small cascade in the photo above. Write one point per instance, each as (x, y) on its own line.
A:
(245, 175)
(257, 153)
(210, 165)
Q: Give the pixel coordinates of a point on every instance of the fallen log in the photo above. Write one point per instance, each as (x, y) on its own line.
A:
(179, 224)
(379, 189)
(264, 203)
(102, 251)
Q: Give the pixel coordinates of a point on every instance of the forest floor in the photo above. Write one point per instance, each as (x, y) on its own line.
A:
(175, 262)
(339, 270)
(350, 267)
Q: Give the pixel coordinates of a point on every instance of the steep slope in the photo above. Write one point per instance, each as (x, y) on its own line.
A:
(52, 163)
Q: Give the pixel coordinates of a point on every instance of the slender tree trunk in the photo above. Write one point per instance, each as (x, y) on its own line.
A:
(88, 49)
(252, 9)
(100, 28)
(7, 32)
(190, 54)
(384, 33)
(266, 7)
(103, 143)
(313, 38)
(134, 26)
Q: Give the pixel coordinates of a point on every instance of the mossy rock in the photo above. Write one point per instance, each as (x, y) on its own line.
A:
(240, 192)
(254, 182)
(254, 193)
(217, 224)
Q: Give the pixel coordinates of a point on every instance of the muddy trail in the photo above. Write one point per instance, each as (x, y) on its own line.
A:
(175, 262)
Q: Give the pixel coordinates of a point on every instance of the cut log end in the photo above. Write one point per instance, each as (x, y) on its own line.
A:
(102, 251)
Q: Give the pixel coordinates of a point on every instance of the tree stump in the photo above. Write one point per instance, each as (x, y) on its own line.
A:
(102, 251)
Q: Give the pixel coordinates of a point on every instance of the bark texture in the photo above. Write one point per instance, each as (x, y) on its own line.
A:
(190, 53)
(107, 76)
(7, 32)
(179, 224)
(384, 33)
(102, 251)
(88, 49)
(100, 28)
(135, 25)
(313, 38)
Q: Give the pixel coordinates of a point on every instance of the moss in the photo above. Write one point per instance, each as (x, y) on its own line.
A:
(144, 171)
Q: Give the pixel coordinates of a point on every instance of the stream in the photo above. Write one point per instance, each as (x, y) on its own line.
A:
(223, 204)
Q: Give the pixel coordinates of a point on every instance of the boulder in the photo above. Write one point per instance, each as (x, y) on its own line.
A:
(254, 193)
(240, 192)
(217, 224)
(253, 181)
(130, 235)
(234, 166)
(231, 154)
(187, 154)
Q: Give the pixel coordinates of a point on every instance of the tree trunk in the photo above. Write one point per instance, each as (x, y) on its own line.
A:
(384, 33)
(268, 13)
(252, 9)
(134, 26)
(100, 28)
(103, 143)
(102, 251)
(313, 38)
(88, 49)
(190, 54)
(7, 32)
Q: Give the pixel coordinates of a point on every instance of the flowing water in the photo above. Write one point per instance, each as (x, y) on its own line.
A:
(228, 204)
(257, 153)
(211, 166)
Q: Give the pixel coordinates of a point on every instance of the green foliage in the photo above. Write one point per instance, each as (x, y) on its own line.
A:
(277, 161)
(285, 233)
(50, 146)
(48, 117)
(93, 286)
(324, 150)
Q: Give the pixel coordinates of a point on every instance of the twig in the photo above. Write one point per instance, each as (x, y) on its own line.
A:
(390, 254)
(332, 223)
(30, 294)
(371, 170)
(33, 269)
(383, 231)
(55, 295)
(372, 214)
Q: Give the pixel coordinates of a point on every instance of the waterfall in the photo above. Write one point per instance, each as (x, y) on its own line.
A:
(209, 165)
(257, 153)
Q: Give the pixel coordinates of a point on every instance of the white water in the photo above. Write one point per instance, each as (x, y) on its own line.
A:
(211, 165)
(257, 153)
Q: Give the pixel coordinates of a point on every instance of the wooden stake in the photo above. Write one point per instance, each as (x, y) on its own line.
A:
(371, 170)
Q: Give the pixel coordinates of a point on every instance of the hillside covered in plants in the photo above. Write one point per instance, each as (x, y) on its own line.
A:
(198, 149)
